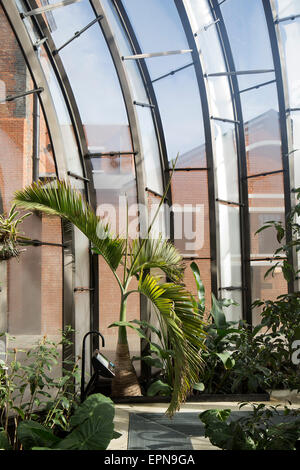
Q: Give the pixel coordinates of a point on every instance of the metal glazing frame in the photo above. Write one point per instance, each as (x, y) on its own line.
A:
(242, 160)
(284, 117)
(208, 142)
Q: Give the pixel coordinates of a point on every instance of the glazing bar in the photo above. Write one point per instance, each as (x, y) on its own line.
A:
(230, 203)
(205, 28)
(255, 87)
(188, 169)
(44, 9)
(173, 72)
(21, 95)
(265, 174)
(238, 72)
(109, 154)
(155, 54)
(144, 105)
(233, 121)
(78, 33)
(287, 18)
(77, 177)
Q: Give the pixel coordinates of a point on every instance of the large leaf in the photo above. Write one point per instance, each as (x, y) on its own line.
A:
(217, 313)
(227, 360)
(93, 425)
(32, 434)
(176, 310)
(156, 253)
(199, 284)
(60, 199)
(4, 442)
(159, 388)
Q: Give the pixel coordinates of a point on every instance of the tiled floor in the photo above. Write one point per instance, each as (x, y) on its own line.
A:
(144, 426)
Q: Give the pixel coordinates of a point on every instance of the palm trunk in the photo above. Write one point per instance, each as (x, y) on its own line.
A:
(125, 383)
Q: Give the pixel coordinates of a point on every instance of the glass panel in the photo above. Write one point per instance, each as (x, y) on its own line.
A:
(205, 275)
(95, 86)
(247, 31)
(262, 130)
(200, 16)
(290, 37)
(287, 8)
(265, 288)
(225, 162)
(147, 130)
(180, 108)
(110, 296)
(266, 202)
(254, 80)
(114, 182)
(230, 245)
(169, 35)
(32, 299)
(191, 213)
(230, 258)
(295, 120)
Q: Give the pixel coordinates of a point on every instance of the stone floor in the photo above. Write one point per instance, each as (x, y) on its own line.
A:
(145, 427)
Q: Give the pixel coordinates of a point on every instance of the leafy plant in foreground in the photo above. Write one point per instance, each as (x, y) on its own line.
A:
(91, 428)
(257, 431)
(30, 390)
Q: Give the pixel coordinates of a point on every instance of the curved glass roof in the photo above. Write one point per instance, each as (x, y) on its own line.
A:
(134, 83)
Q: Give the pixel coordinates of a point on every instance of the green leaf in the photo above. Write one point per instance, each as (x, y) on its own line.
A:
(184, 327)
(217, 313)
(227, 360)
(159, 388)
(33, 434)
(157, 253)
(4, 442)
(199, 284)
(199, 386)
(59, 198)
(94, 427)
(129, 325)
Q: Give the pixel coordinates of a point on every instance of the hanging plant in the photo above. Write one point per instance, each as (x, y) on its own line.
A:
(10, 236)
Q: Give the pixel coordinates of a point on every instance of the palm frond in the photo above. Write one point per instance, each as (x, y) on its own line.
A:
(60, 199)
(156, 253)
(178, 312)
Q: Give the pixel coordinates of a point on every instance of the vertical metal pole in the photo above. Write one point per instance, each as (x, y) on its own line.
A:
(35, 138)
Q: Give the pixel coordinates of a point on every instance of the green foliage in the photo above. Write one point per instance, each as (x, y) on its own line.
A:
(240, 359)
(10, 236)
(31, 392)
(257, 431)
(287, 247)
(91, 428)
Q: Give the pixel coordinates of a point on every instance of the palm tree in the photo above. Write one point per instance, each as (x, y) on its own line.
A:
(175, 306)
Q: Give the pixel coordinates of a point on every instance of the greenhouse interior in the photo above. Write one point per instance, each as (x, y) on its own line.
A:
(150, 234)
